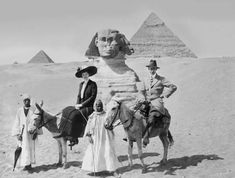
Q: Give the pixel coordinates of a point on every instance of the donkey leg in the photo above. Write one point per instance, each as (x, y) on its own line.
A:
(140, 154)
(60, 152)
(165, 142)
(130, 147)
(64, 148)
(171, 140)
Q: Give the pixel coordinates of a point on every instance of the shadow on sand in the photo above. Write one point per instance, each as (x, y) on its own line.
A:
(135, 156)
(48, 167)
(122, 158)
(125, 168)
(100, 174)
(173, 164)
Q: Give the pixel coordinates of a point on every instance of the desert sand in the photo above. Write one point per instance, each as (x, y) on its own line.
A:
(202, 124)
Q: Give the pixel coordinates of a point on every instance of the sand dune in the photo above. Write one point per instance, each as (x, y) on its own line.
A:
(202, 112)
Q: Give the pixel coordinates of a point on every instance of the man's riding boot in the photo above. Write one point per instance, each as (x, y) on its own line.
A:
(60, 135)
(146, 135)
(146, 139)
(146, 128)
(73, 142)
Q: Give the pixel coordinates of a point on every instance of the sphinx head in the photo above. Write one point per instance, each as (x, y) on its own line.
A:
(109, 44)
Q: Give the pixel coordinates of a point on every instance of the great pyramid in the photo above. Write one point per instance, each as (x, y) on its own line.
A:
(41, 57)
(155, 39)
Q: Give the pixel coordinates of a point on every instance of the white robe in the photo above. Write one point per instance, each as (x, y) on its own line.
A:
(99, 156)
(28, 144)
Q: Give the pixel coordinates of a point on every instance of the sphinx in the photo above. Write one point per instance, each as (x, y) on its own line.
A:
(108, 49)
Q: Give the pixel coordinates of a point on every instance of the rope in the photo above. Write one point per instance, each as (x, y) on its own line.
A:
(93, 156)
(44, 123)
(121, 123)
(83, 115)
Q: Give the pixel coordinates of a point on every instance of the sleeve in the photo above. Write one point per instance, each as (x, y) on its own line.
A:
(89, 126)
(171, 88)
(79, 94)
(93, 95)
(16, 129)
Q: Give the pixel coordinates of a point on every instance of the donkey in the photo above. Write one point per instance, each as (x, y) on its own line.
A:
(50, 122)
(134, 127)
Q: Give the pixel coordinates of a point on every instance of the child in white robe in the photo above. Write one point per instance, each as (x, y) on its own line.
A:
(100, 154)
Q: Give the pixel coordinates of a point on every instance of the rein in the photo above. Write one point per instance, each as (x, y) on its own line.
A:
(121, 123)
(42, 120)
(82, 115)
(114, 118)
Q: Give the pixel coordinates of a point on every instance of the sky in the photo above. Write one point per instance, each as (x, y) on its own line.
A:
(64, 28)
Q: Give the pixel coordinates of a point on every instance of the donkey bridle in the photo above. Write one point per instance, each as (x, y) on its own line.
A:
(42, 119)
(121, 123)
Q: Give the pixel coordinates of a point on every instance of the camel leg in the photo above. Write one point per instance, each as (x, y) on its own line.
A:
(130, 147)
(64, 148)
(60, 152)
(165, 143)
(140, 154)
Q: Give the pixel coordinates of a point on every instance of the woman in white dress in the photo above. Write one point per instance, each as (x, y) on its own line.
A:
(100, 154)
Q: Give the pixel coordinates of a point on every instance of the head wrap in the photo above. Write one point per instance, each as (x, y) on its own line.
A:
(122, 41)
(26, 96)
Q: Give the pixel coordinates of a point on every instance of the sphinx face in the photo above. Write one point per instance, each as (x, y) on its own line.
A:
(107, 44)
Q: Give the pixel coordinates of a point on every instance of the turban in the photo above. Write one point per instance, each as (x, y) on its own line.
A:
(26, 96)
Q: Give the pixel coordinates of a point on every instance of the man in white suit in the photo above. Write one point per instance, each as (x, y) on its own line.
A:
(159, 89)
(100, 154)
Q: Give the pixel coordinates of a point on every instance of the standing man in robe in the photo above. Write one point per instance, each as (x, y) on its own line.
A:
(23, 121)
(100, 154)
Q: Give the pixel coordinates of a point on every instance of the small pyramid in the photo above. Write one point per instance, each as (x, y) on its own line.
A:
(41, 57)
(155, 39)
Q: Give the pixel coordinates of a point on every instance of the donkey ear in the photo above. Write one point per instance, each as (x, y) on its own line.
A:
(38, 107)
(41, 103)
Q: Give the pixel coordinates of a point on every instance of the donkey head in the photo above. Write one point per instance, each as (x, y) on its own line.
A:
(113, 107)
(37, 119)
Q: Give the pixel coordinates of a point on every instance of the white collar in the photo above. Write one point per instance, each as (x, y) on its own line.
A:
(154, 75)
(86, 81)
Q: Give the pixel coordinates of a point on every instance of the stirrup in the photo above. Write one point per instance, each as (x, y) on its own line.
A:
(145, 142)
(124, 139)
(73, 142)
